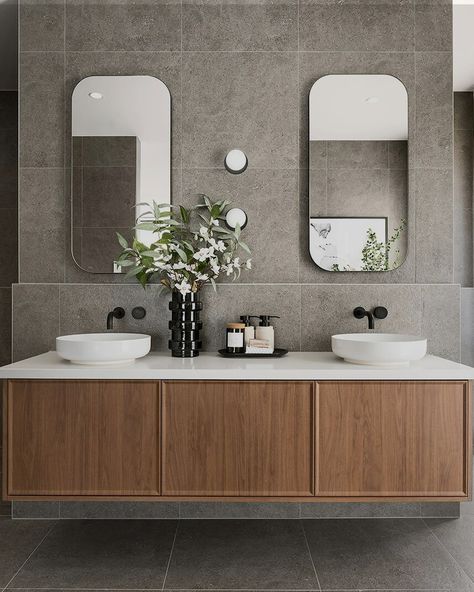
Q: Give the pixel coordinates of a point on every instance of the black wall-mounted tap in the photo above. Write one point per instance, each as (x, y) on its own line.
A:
(117, 313)
(379, 312)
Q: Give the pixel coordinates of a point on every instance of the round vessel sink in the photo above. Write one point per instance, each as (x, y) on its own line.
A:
(379, 349)
(103, 348)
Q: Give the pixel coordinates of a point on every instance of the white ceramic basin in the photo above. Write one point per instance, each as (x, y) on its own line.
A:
(379, 349)
(103, 348)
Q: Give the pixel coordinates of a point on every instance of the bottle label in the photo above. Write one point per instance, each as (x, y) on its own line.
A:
(235, 340)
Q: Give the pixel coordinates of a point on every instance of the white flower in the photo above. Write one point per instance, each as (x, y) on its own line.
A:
(215, 267)
(203, 254)
(248, 264)
(214, 222)
(179, 265)
(203, 231)
(237, 262)
(202, 277)
(184, 287)
(217, 245)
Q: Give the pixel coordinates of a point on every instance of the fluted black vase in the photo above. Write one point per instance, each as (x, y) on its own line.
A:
(185, 325)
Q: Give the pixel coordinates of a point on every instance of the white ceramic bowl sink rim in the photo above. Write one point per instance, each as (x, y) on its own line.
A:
(387, 349)
(103, 348)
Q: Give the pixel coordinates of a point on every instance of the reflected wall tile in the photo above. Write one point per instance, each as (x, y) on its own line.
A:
(41, 25)
(120, 26)
(229, 302)
(441, 318)
(42, 91)
(270, 199)
(247, 101)
(35, 319)
(334, 26)
(5, 326)
(434, 110)
(84, 309)
(328, 310)
(42, 225)
(434, 225)
(164, 65)
(214, 25)
(433, 25)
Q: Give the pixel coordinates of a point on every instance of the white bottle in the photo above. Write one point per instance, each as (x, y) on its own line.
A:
(249, 331)
(265, 330)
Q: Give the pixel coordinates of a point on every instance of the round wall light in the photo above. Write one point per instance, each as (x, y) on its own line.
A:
(96, 95)
(236, 162)
(234, 217)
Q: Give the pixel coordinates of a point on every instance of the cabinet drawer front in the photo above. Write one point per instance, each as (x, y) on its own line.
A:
(237, 438)
(393, 439)
(83, 438)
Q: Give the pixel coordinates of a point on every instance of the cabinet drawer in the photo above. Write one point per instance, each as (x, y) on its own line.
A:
(237, 438)
(393, 439)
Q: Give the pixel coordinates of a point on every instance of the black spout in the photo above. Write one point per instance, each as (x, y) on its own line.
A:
(380, 312)
(117, 313)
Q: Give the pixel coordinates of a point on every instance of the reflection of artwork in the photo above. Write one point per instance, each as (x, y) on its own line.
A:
(340, 244)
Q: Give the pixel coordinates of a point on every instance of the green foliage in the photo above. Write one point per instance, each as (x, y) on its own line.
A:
(376, 254)
(189, 246)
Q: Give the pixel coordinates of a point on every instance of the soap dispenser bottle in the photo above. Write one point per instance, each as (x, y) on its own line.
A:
(265, 330)
(249, 331)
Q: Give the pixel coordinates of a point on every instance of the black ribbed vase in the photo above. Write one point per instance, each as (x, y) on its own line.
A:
(185, 325)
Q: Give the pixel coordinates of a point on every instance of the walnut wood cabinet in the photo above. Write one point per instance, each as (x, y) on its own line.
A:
(244, 440)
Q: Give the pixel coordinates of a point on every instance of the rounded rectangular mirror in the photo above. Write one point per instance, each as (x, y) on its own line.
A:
(121, 157)
(358, 172)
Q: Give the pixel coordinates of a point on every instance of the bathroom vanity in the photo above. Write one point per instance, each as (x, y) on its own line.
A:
(305, 427)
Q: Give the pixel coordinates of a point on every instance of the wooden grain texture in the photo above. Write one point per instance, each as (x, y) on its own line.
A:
(83, 438)
(237, 438)
(393, 439)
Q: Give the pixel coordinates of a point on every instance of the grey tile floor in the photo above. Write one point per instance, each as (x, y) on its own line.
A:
(342, 554)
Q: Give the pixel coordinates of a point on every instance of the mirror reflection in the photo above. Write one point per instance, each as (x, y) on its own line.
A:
(120, 159)
(358, 177)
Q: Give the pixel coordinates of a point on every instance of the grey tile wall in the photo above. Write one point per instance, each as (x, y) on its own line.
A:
(239, 75)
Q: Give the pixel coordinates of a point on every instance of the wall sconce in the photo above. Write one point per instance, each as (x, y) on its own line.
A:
(234, 217)
(236, 162)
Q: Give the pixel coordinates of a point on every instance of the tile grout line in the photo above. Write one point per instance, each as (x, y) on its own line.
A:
(470, 580)
(310, 554)
(171, 555)
(48, 532)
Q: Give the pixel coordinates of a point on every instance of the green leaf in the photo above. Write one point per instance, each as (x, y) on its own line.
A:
(146, 226)
(126, 263)
(135, 271)
(245, 247)
(122, 240)
(184, 214)
(213, 284)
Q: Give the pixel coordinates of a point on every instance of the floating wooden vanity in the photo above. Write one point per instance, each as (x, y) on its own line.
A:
(365, 436)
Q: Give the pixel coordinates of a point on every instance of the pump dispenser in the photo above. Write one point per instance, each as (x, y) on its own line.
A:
(265, 329)
(249, 331)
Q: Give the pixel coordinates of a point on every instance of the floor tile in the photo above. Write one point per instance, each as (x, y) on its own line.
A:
(94, 554)
(243, 554)
(17, 541)
(381, 554)
(457, 536)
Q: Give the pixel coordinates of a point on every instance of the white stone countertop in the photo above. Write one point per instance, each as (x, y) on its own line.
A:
(211, 366)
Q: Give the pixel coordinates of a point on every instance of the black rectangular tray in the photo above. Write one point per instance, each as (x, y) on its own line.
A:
(277, 353)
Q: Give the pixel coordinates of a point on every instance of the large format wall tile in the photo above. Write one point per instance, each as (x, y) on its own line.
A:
(441, 320)
(243, 100)
(240, 25)
(8, 246)
(336, 26)
(42, 109)
(467, 326)
(35, 319)
(42, 225)
(433, 25)
(434, 110)
(84, 309)
(434, 225)
(230, 301)
(270, 200)
(41, 25)
(5, 326)
(328, 310)
(148, 25)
